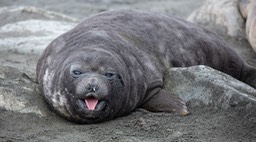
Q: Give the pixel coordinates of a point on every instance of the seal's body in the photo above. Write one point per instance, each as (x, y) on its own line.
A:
(116, 61)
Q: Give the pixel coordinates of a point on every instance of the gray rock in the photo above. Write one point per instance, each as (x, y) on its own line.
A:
(31, 36)
(16, 14)
(204, 86)
(19, 93)
(222, 14)
(224, 18)
(32, 31)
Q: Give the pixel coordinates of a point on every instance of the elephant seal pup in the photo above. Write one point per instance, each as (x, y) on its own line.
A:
(114, 62)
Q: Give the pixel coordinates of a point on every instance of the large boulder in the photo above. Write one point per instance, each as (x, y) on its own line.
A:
(220, 14)
(29, 29)
(20, 93)
(248, 11)
(204, 86)
(31, 36)
(26, 31)
(16, 14)
(234, 17)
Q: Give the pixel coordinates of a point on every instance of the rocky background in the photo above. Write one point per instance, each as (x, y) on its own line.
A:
(222, 108)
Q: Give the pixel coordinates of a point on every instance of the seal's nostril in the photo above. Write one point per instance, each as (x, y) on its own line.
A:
(89, 87)
(93, 89)
(97, 87)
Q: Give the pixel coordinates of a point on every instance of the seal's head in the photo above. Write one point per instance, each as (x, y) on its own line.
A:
(86, 88)
(93, 90)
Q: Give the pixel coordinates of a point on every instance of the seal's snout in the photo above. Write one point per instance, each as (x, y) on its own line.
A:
(92, 85)
(91, 93)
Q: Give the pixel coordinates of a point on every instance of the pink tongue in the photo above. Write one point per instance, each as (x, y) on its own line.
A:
(91, 103)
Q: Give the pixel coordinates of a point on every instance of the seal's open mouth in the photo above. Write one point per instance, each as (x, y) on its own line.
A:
(92, 104)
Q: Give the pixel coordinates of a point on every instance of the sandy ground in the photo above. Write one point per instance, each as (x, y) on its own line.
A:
(204, 123)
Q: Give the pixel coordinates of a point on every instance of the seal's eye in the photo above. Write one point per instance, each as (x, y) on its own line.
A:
(110, 75)
(76, 73)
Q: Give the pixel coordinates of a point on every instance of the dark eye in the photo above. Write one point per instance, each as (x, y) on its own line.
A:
(76, 73)
(110, 76)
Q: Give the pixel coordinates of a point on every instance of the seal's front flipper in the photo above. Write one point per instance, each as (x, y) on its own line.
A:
(165, 102)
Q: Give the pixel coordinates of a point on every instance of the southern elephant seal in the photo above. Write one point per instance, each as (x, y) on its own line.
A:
(116, 61)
